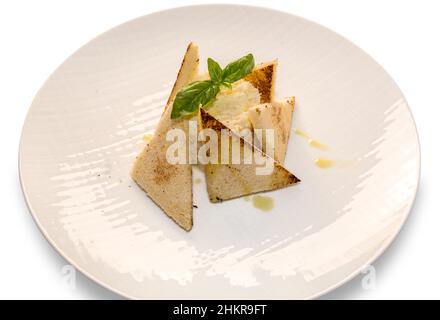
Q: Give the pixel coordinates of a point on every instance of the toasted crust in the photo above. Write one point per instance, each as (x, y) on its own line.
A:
(188, 71)
(169, 186)
(278, 116)
(263, 78)
(228, 181)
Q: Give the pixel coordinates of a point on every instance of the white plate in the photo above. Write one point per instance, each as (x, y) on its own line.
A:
(86, 125)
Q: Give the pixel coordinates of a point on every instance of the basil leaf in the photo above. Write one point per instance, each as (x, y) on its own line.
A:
(238, 69)
(191, 97)
(215, 71)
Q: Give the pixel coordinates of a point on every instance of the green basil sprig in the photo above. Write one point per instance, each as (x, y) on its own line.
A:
(202, 93)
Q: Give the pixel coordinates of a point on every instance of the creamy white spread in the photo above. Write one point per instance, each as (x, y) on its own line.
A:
(231, 105)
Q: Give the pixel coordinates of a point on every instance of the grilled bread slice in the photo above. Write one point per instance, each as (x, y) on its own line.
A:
(277, 116)
(263, 78)
(228, 181)
(168, 185)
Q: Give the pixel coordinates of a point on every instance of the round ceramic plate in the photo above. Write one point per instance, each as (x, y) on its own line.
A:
(86, 125)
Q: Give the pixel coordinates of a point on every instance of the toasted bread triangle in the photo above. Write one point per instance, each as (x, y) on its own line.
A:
(278, 116)
(263, 78)
(228, 181)
(188, 71)
(168, 185)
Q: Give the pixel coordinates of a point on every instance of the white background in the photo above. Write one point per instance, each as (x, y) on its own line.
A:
(37, 36)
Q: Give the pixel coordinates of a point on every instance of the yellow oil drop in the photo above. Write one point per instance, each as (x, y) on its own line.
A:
(148, 137)
(301, 133)
(324, 163)
(263, 203)
(198, 181)
(318, 145)
(312, 142)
